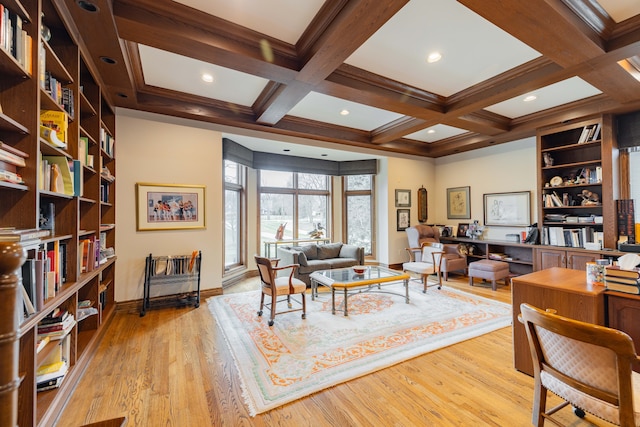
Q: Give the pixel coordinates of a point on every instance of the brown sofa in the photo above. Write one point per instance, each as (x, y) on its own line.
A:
(452, 261)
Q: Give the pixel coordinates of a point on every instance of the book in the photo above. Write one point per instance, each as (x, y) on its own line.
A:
(58, 326)
(620, 287)
(622, 280)
(11, 158)
(56, 120)
(22, 235)
(57, 315)
(77, 174)
(66, 185)
(614, 270)
(47, 219)
(51, 137)
(42, 343)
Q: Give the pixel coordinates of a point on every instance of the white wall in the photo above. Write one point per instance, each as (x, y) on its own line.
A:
(156, 152)
(499, 169)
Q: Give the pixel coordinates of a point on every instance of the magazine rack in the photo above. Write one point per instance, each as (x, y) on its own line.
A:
(172, 271)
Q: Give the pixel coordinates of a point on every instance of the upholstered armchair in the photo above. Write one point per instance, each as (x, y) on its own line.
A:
(452, 260)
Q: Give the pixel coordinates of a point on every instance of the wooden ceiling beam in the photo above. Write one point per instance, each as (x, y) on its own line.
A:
(350, 27)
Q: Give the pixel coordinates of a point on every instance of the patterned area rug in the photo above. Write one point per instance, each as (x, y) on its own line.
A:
(297, 357)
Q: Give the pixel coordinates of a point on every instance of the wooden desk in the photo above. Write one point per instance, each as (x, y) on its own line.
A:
(624, 314)
(562, 289)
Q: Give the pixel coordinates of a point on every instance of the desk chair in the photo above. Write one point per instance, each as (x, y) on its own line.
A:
(276, 287)
(587, 365)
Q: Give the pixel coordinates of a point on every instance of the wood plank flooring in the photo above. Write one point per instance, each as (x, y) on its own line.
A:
(173, 368)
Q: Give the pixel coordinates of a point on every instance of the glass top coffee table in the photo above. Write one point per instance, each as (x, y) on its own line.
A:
(348, 281)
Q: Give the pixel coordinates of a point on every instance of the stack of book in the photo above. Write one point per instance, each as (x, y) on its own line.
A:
(50, 376)
(57, 325)
(10, 160)
(617, 279)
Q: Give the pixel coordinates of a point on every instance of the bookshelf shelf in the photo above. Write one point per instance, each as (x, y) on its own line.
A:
(23, 98)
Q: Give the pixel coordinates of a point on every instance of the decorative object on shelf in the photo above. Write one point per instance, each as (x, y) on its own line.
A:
(403, 219)
(458, 203)
(317, 232)
(509, 209)
(169, 206)
(589, 198)
(462, 229)
(548, 160)
(556, 181)
(403, 198)
(475, 230)
(422, 204)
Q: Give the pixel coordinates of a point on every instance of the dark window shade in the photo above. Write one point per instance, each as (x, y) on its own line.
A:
(628, 130)
(277, 162)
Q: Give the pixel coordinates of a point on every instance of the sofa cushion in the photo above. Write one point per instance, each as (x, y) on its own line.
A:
(330, 250)
(342, 262)
(310, 251)
(314, 265)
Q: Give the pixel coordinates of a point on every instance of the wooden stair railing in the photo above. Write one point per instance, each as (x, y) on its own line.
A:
(11, 258)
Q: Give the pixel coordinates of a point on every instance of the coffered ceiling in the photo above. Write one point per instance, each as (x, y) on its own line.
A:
(355, 73)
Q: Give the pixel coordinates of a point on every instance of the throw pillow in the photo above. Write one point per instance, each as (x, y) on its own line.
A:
(310, 251)
(302, 259)
(330, 250)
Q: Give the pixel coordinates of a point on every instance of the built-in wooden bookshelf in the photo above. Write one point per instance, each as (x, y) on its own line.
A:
(577, 183)
(50, 72)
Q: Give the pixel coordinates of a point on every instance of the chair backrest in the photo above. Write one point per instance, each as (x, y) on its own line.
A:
(432, 253)
(265, 269)
(572, 355)
(419, 234)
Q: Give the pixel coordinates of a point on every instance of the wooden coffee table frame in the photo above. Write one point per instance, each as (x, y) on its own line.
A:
(347, 281)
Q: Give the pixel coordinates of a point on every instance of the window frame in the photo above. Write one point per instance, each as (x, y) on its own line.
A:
(241, 189)
(356, 193)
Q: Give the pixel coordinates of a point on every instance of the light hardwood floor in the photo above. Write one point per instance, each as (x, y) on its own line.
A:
(172, 368)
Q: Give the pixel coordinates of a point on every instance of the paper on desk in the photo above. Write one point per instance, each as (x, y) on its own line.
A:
(628, 261)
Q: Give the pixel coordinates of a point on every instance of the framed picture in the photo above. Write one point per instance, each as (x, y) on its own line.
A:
(458, 203)
(462, 229)
(510, 209)
(403, 198)
(169, 206)
(403, 219)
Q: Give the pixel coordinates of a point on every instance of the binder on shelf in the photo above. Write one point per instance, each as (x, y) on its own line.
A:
(64, 177)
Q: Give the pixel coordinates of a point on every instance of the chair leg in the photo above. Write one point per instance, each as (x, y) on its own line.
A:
(261, 304)
(539, 405)
(425, 280)
(272, 316)
(289, 302)
(304, 306)
(470, 280)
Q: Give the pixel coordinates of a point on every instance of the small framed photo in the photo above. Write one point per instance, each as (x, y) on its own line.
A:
(462, 229)
(458, 203)
(403, 198)
(169, 207)
(403, 220)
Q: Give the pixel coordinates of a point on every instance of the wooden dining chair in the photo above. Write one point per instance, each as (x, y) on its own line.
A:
(588, 366)
(283, 286)
(426, 261)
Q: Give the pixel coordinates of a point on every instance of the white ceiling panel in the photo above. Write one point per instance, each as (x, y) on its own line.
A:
(619, 10)
(569, 90)
(284, 20)
(436, 133)
(325, 108)
(180, 73)
(472, 48)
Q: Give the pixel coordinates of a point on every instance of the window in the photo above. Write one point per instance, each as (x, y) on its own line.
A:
(234, 200)
(359, 211)
(634, 182)
(299, 200)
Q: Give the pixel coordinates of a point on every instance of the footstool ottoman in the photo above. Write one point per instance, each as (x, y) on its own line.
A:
(488, 269)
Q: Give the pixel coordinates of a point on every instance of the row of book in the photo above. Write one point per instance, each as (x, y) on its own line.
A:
(107, 142)
(14, 39)
(625, 214)
(617, 279)
(571, 237)
(63, 96)
(589, 133)
(43, 275)
(10, 160)
(61, 175)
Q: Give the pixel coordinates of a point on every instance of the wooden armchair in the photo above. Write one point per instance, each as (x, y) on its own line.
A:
(425, 261)
(275, 287)
(587, 365)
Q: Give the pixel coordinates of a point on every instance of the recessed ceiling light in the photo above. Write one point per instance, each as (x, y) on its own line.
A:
(434, 57)
(324, 155)
(431, 131)
(108, 60)
(207, 77)
(286, 150)
(344, 112)
(530, 98)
